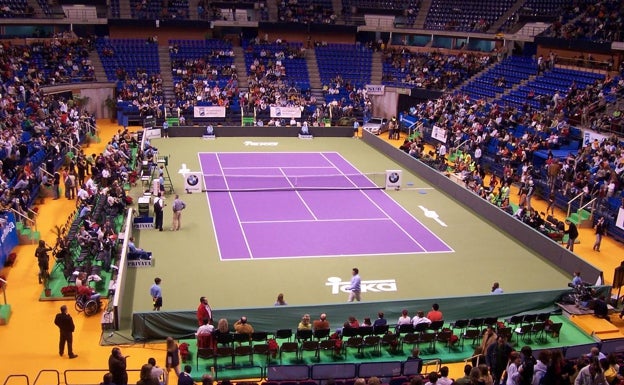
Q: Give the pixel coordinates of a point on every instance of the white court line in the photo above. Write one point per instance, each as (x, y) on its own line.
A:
(214, 226)
(273, 167)
(320, 220)
(299, 195)
(375, 204)
(240, 224)
(411, 215)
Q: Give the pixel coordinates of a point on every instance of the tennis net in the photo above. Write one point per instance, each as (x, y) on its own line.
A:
(282, 182)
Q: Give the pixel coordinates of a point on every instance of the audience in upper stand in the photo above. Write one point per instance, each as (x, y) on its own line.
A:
(431, 70)
(305, 11)
(599, 21)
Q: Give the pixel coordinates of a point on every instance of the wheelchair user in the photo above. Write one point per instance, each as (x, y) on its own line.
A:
(86, 293)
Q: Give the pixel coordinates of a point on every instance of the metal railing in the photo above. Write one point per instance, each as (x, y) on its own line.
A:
(479, 357)
(26, 217)
(10, 376)
(436, 363)
(71, 145)
(53, 371)
(42, 169)
(578, 197)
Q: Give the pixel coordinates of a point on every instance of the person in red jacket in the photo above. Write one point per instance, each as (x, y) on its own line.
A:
(204, 311)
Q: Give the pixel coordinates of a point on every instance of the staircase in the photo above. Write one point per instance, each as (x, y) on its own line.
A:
(316, 87)
(501, 20)
(377, 68)
(337, 7)
(165, 72)
(98, 68)
(273, 10)
(241, 68)
(192, 13)
(35, 5)
(419, 23)
(124, 10)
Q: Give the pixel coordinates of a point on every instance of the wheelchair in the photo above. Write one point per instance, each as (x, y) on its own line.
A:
(89, 304)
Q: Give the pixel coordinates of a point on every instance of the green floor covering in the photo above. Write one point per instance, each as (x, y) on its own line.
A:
(570, 335)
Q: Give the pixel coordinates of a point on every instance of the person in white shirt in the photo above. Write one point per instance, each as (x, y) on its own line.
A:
(157, 372)
(420, 318)
(404, 319)
(206, 328)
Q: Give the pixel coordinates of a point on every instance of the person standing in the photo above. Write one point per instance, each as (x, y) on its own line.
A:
(43, 260)
(173, 356)
(204, 311)
(355, 285)
(117, 367)
(159, 205)
(356, 129)
(165, 129)
(573, 233)
(57, 185)
(178, 206)
(66, 327)
(600, 231)
(156, 293)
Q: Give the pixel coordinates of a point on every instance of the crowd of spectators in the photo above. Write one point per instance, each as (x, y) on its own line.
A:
(269, 82)
(600, 22)
(431, 70)
(209, 80)
(46, 63)
(597, 170)
(305, 11)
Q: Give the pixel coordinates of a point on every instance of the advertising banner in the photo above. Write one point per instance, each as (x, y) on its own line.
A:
(193, 182)
(8, 239)
(375, 89)
(438, 133)
(286, 112)
(209, 112)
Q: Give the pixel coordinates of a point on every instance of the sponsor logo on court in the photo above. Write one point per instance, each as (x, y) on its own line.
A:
(252, 143)
(373, 286)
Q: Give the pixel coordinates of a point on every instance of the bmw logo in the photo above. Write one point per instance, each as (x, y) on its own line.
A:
(393, 177)
(192, 180)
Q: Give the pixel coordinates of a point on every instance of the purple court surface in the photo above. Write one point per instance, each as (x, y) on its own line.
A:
(284, 205)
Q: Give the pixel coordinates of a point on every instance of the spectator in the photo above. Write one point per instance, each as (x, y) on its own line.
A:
(242, 327)
(321, 323)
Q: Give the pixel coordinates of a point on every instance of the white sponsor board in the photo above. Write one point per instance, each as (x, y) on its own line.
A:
(286, 112)
(152, 133)
(590, 136)
(260, 144)
(140, 263)
(209, 112)
(193, 182)
(438, 133)
(374, 286)
(375, 89)
(394, 178)
(619, 222)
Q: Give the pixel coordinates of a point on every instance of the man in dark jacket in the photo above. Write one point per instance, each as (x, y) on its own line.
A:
(66, 327)
(573, 233)
(117, 367)
(496, 358)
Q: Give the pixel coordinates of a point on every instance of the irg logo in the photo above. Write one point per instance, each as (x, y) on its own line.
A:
(374, 286)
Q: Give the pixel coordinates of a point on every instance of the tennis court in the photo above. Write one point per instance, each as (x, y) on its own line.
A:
(271, 199)
(318, 203)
